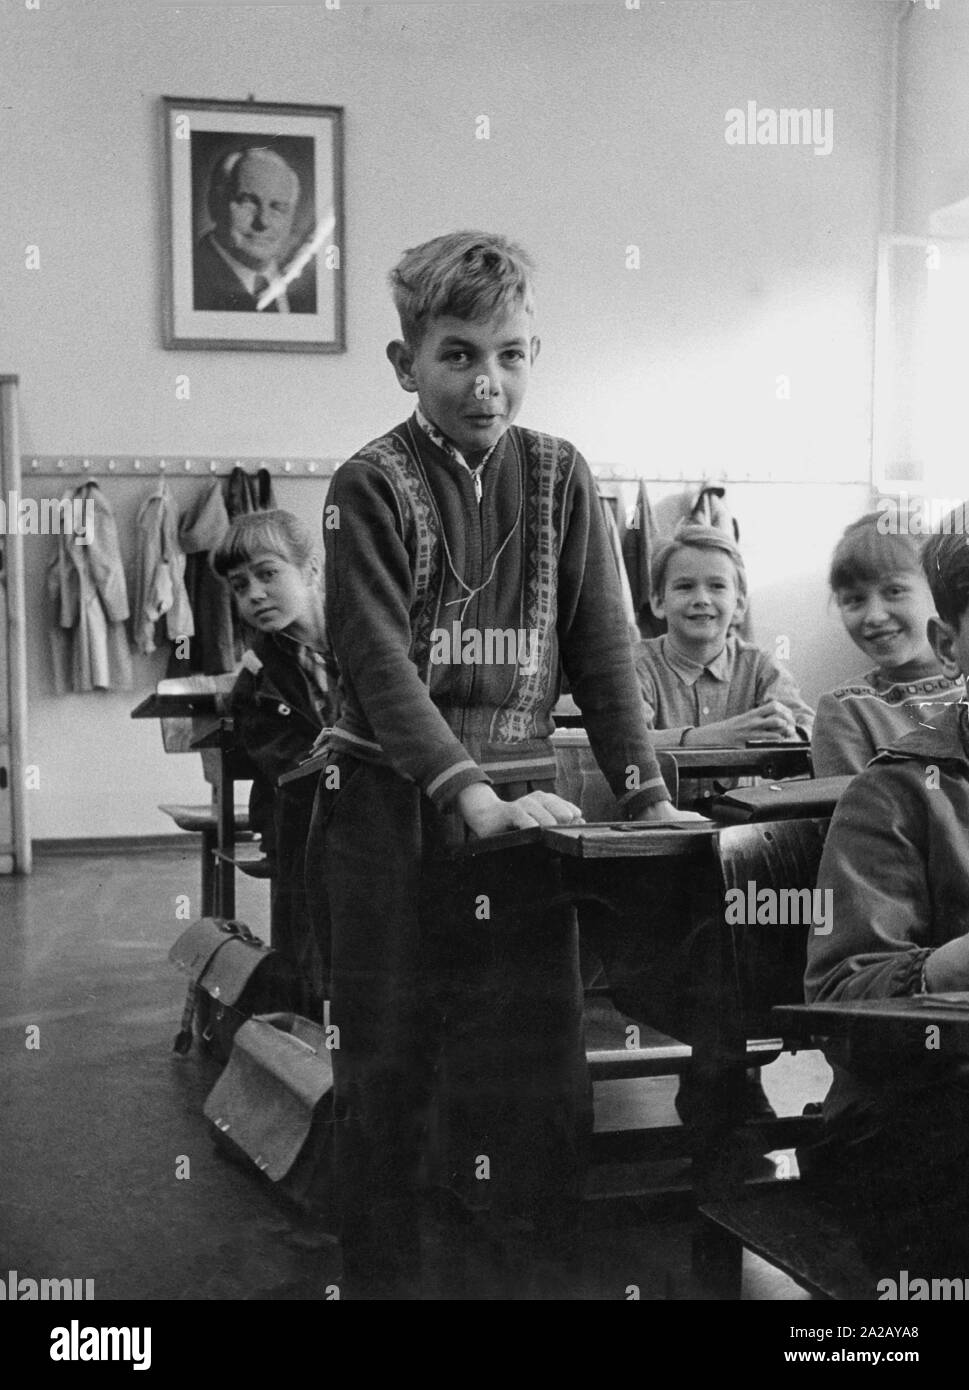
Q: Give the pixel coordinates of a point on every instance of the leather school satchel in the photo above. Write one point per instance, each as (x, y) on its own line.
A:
(272, 1108)
(233, 975)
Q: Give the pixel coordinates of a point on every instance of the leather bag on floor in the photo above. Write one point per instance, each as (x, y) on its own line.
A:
(272, 1108)
(233, 976)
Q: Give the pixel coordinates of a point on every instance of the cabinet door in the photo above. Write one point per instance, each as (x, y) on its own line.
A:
(6, 789)
(15, 855)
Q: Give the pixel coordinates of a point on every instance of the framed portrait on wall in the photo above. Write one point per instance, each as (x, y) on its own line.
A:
(254, 226)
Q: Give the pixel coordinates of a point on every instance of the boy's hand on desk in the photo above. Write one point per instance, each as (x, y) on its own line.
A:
(486, 814)
(771, 720)
(947, 968)
(665, 811)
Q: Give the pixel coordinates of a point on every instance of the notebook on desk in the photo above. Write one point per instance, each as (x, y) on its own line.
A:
(792, 800)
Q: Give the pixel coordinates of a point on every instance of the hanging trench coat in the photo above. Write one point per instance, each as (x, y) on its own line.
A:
(86, 584)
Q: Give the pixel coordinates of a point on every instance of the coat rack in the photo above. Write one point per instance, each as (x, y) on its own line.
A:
(77, 466)
(74, 466)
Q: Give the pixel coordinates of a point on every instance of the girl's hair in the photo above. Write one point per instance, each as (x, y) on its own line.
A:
(690, 536)
(260, 533)
(866, 553)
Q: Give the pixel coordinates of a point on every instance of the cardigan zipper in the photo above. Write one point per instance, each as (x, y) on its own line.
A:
(476, 479)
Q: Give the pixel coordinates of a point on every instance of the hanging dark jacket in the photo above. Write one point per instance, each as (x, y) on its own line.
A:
(249, 492)
(218, 643)
(213, 649)
(638, 549)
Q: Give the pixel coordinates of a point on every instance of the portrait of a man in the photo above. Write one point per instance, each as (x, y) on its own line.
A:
(254, 201)
(253, 226)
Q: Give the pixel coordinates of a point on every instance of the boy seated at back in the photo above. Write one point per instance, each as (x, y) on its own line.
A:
(896, 859)
(885, 604)
(703, 686)
(470, 566)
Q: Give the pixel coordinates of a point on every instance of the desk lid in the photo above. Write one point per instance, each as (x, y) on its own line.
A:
(603, 839)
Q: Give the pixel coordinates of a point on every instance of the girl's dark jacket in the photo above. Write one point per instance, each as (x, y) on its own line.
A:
(277, 721)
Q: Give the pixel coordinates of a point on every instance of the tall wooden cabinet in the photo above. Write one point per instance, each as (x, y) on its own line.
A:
(14, 833)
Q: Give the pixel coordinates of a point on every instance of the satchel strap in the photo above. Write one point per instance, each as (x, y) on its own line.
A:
(237, 928)
(183, 1038)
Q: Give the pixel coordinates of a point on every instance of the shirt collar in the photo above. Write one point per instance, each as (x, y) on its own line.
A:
(245, 273)
(287, 642)
(721, 667)
(311, 661)
(445, 445)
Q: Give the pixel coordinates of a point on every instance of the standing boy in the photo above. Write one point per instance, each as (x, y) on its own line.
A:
(467, 567)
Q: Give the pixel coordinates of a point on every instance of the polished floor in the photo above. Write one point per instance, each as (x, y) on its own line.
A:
(109, 1172)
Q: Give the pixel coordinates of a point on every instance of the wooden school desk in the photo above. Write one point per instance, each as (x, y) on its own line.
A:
(186, 704)
(625, 868)
(583, 783)
(795, 1229)
(622, 865)
(227, 764)
(774, 762)
(615, 863)
(210, 733)
(873, 1025)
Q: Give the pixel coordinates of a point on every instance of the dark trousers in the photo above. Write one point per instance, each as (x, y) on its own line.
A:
(455, 987)
(295, 928)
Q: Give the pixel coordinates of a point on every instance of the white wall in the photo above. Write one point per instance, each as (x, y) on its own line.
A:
(607, 129)
(933, 155)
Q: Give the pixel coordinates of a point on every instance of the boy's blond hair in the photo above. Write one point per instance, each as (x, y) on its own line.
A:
(464, 275)
(690, 536)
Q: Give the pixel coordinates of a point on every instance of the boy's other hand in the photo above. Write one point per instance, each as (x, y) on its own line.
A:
(665, 811)
(322, 738)
(771, 720)
(486, 814)
(947, 967)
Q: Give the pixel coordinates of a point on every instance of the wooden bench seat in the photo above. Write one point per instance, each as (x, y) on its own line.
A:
(623, 1063)
(204, 820)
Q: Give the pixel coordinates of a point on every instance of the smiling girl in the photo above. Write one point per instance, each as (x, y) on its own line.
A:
(885, 605)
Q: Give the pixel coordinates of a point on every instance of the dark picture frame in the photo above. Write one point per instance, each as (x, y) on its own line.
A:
(254, 226)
